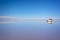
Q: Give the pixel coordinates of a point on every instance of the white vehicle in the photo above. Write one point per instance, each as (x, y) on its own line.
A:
(49, 21)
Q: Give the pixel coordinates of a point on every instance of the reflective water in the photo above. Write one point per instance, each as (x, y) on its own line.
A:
(30, 31)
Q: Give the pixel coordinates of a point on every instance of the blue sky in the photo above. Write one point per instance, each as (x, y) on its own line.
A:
(30, 8)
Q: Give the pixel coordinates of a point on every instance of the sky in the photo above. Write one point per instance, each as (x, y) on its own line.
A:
(30, 8)
(30, 30)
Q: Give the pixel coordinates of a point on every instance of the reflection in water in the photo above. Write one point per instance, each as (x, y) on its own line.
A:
(29, 31)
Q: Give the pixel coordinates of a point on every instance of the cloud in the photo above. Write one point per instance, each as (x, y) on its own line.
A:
(9, 19)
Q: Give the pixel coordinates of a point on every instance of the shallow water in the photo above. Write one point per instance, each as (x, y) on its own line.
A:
(30, 31)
